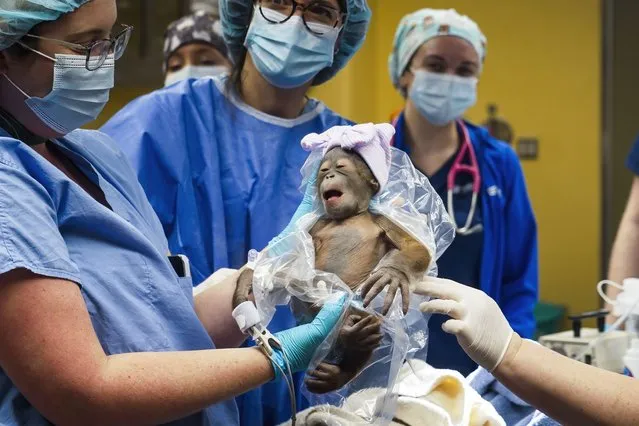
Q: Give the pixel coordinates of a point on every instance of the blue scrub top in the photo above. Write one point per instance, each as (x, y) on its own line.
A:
(461, 262)
(52, 227)
(632, 161)
(509, 262)
(223, 178)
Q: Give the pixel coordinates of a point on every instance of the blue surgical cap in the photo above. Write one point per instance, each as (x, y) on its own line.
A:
(419, 27)
(17, 17)
(236, 17)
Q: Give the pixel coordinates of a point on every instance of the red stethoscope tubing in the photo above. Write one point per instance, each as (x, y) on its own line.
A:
(471, 168)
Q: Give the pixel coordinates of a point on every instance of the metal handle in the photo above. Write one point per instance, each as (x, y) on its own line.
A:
(576, 320)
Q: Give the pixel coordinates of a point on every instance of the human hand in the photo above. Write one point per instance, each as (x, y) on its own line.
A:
(392, 278)
(300, 343)
(476, 320)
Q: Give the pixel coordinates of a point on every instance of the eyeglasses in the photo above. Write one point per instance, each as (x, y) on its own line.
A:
(97, 51)
(316, 12)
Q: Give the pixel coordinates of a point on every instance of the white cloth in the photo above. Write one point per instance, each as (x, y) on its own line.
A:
(426, 396)
(441, 397)
(370, 141)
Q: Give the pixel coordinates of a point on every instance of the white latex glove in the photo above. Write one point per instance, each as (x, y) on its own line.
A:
(476, 320)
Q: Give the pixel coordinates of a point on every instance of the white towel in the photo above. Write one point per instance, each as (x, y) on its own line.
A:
(445, 394)
(426, 396)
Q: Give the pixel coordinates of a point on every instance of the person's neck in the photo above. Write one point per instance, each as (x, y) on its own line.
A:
(430, 146)
(17, 130)
(263, 96)
(13, 103)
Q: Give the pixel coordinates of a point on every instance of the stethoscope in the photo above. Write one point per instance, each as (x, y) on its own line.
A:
(471, 168)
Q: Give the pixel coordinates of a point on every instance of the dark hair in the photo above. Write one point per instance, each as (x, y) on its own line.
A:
(235, 80)
(343, 6)
(18, 50)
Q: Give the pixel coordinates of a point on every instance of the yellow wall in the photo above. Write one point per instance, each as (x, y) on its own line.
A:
(543, 69)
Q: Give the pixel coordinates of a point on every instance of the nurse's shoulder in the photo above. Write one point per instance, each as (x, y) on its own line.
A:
(18, 157)
(91, 144)
(95, 144)
(12, 151)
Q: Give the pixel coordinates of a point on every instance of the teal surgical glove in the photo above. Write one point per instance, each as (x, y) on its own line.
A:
(300, 343)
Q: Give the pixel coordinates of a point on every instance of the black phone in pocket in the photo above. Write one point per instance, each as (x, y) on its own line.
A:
(181, 265)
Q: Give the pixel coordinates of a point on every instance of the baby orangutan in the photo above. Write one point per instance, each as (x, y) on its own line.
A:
(368, 252)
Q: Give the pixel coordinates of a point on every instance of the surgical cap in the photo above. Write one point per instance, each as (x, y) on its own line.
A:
(419, 27)
(18, 17)
(197, 27)
(236, 17)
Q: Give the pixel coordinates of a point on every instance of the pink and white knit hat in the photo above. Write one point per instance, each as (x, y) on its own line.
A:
(370, 141)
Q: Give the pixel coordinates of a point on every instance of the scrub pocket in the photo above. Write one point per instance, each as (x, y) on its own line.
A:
(122, 301)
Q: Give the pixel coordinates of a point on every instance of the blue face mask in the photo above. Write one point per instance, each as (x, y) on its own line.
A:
(288, 55)
(78, 95)
(442, 98)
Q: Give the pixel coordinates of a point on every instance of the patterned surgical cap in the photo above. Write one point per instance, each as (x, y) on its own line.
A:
(198, 27)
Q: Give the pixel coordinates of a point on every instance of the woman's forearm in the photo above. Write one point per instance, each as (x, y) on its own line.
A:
(214, 305)
(569, 391)
(57, 362)
(155, 388)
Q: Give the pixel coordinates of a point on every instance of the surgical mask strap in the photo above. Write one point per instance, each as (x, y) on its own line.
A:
(16, 86)
(37, 52)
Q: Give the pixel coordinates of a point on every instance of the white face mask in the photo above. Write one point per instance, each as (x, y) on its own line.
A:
(442, 98)
(194, 71)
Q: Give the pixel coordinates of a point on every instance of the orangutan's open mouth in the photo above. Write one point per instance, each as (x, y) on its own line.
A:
(332, 195)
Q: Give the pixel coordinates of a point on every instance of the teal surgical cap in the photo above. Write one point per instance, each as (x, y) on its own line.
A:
(419, 27)
(17, 17)
(236, 17)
